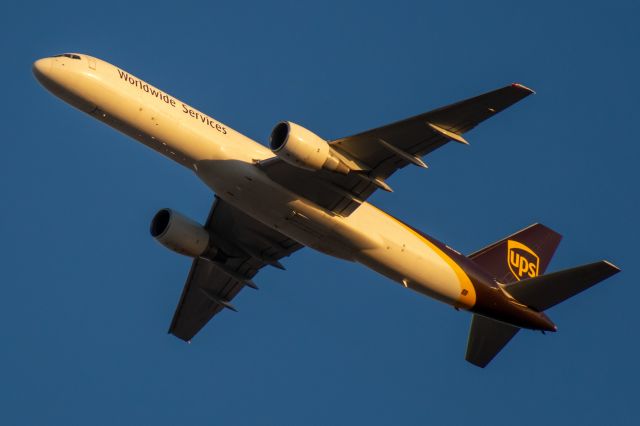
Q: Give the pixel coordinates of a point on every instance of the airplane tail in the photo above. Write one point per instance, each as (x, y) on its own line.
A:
(487, 337)
(546, 291)
(504, 259)
(525, 254)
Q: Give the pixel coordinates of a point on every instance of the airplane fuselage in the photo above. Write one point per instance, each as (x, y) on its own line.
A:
(225, 161)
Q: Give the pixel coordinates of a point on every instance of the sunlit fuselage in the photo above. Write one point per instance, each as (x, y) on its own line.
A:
(226, 161)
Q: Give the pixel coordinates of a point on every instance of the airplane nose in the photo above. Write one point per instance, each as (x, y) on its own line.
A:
(42, 69)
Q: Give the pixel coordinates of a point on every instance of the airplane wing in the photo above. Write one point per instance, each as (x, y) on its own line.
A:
(383, 150)
(211, 286)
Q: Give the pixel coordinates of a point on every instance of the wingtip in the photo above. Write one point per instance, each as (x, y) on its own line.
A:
(614, 267)
(476, 363)
(523, 87)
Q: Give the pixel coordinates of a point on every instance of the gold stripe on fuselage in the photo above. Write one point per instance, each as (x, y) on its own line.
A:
(467, 297)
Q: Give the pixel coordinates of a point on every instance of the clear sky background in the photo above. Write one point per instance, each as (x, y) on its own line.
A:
(86, 295)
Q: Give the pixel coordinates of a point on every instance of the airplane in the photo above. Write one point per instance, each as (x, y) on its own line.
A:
(303, 190)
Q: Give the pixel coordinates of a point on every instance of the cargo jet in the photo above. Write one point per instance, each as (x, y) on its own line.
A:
(306, 191)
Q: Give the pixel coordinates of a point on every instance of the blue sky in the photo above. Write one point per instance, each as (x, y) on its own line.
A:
(86, 295)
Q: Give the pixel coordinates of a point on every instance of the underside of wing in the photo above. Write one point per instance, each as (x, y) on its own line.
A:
(381, 151)
(246, 246)
(195, 309)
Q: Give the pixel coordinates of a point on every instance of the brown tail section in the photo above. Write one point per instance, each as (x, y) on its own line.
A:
(523, 255)
(487, 337)
(519, 261)
(544, 292)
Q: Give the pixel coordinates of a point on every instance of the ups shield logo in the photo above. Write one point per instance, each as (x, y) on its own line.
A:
(522, 261)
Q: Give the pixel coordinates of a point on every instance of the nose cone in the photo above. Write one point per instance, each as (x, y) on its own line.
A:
(42, 69)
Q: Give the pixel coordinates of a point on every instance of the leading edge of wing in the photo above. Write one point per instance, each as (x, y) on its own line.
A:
(491, 102)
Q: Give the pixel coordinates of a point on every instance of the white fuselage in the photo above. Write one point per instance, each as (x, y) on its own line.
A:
(225, 160)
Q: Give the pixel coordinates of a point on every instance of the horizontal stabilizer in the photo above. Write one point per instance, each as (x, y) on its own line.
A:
(487, 337)
(543, 292)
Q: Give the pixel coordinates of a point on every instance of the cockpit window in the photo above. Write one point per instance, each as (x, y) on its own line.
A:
(67, 55)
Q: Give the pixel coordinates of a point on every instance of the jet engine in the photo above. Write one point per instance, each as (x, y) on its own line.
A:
(180, 234)
(304, 149)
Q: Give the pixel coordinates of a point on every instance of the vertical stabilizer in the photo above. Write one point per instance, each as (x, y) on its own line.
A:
(523, 255)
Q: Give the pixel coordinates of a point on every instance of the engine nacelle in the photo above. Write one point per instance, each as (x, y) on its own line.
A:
(179, 233)
(304, 149)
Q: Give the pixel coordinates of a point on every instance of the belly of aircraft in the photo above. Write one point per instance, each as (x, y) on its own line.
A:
(367, 236)
(250, 190)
